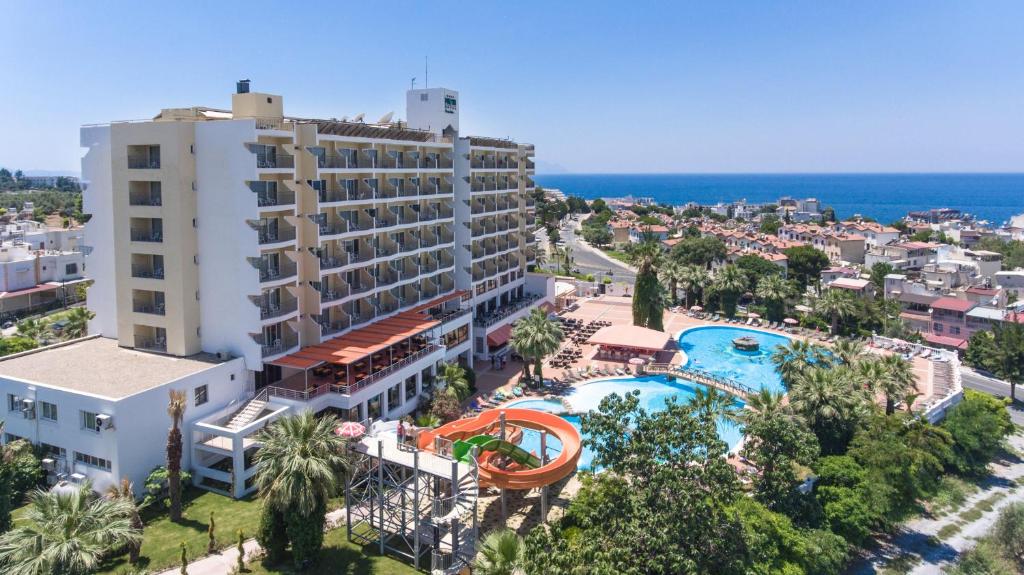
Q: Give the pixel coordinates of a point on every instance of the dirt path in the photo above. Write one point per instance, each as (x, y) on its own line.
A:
(926, 546)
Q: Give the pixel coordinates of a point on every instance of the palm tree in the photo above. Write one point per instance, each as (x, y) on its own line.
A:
(829, 404)
(795, 358)
(837, 304)
(848, 351)
(456, 382)
(648, 297)
(500, 553)
(540, 259)
(123, 491)
(692, 278)
(713, 404)
(869, 374)
(67, 532)
(670, 273)
(765, 404)
(535, 337)
(176, 410)
(34, 329)
(773, 290)
(564, 255)
(730, 281)
(78, 322)
(898, 381)
(301, 466)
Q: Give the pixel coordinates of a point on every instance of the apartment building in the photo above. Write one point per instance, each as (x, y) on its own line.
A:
(36, 279)
(333, 264)
(841, 247)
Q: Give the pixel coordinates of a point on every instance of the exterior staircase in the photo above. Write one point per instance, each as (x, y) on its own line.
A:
(249, 412)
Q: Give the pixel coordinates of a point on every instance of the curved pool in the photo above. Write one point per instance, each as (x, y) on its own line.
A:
(654, 393)
(710, 349)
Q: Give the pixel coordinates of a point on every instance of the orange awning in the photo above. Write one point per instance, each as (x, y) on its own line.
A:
(547, 306)
(499, 336)
(445, 298)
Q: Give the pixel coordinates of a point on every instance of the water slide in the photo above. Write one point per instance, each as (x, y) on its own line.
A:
(523, 476)
(462, 450)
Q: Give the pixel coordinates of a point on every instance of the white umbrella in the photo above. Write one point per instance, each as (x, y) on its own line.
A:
(790, 321)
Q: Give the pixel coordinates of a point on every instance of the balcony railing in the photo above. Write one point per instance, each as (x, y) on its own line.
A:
(143, 164)
(276, 161)
(268, 311)
(506, 310)
(333, 228)
(333, 262)
(278, 198)
(277, 346)
(151, 344)
(146, 199)
(336, 293)
(148, 272)
(148, 307)
(147, 236)
(282, 270)
(267, 236)
(331, 328)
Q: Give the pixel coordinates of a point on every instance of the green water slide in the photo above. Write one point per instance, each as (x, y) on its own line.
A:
(463, 450)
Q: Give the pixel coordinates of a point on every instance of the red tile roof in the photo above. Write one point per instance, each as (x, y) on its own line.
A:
(953, 304)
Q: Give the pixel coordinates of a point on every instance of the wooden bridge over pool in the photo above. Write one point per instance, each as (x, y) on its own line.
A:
(726, 385)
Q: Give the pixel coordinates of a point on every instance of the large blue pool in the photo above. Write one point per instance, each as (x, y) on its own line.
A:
(710, 349)
(707, 348)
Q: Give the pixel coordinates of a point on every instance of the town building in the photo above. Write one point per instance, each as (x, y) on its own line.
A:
(317, 264)
(33, 280)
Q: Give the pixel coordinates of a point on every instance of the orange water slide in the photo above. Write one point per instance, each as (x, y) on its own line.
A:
(520, 478)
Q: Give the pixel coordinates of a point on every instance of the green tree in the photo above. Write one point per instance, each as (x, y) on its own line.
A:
(836, 304)
(692, 278)
(535, 337)
(597, 235)
(34, 329)
(778, 445)
(774, 291)
(1008, 532)
(878, 273)
(648, 296)
(184, 559)
(774, 546)
(500, 553)
(123, 491)
(176, 405)
(847, 498)
(805, 264)
(670, 273)
(831, 403)
(240, 550)
(78, 322)
(795, 358)
(16, 344)
(730, 282)
(756, 268)
(67, 532)
(699, 251)
(898, 382)
(456, 382)
(301, 466)
(978, 425)
(770, 224)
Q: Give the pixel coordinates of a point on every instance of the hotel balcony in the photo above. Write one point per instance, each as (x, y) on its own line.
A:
(147, 230)
(384, 275)
(385, 219)
(143, 157)
(337, 259)
(272, 158)
(332, 161)
(427, 288)
(406, 268)
(272, 195)
(365, 253)
(333, 290)
(500, 313)
(483, 163)
(428, 264)
(436, 161)
(332, 228)
(268, 235)
(395, 160)
(360, 312)
(445, 260)
(148, 266)
(437, 186)
(359, 221)
(272, 344)
(333, 324)
(144, 194)
(150, 338)
(272, 271)
(149, 302)
(530, 165)
(271, 308)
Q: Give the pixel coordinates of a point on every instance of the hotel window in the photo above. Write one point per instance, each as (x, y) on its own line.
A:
(937, 328)
(13, 404)
(954, 330)
(394, 396)
(49, 411)
(53, 450)
(92, 461)
(201, 395)
(90, 421)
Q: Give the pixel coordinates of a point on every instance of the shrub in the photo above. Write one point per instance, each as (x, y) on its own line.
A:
(1009, 531)
(156, 486)
(978, 425)
(272, 535)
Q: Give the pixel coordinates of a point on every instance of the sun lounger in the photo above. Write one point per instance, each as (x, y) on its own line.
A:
(619, 371)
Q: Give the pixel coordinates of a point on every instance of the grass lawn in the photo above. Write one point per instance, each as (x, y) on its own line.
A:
(341, 557)
(162, 538)
(618, 254)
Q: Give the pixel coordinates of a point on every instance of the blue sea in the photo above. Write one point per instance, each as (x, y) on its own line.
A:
(884, 197)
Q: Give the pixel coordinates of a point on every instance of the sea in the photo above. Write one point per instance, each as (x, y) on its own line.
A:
(884, 197)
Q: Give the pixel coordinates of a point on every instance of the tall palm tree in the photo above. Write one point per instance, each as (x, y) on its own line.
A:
(456, 382)
(670, 273)
(176, 410)
(540, 259)
(730, 281)
(648, 296)
(837, 304)
(500, 553)
(714, 404)
(869, 374)
(78, 322)
(123, 491)
(301, 466)
(67, 532)
(563, 255)
(795, 358)
(692, 279)
(765, 404)
(826, 400)
(898, 382)
(848, 351)
(535, 337)
(773, 291)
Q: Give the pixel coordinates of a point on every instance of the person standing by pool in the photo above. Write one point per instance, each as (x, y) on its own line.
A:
(401, 434)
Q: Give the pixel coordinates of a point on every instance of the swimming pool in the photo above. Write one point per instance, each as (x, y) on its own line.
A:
(710, 349)
(654, 392)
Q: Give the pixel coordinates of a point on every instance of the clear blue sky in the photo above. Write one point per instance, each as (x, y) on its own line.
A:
(618, 87)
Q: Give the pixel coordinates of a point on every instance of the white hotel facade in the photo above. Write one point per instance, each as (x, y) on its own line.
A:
(266, 264)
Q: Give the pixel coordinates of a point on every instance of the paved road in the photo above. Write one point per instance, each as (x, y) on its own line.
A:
(590, 262)
(976, 381)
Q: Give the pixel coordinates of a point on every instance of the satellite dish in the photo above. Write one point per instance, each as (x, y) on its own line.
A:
(359, 117)
(386, 118)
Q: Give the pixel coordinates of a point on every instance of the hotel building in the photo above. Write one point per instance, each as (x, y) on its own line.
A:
(330, 264)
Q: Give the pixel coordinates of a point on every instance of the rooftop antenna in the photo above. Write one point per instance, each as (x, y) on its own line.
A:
(412, 83)
(426, 72)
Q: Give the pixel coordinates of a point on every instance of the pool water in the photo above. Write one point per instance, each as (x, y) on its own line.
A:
(654, 392)
(710, 349)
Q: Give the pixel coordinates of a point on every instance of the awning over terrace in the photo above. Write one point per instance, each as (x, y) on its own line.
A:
(499, 336)
(360, 343)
